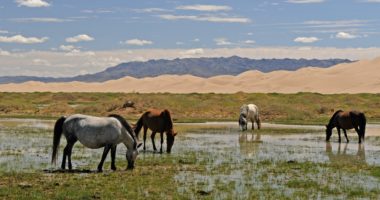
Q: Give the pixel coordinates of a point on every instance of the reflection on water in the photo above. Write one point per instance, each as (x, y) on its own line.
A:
(343, 158)
(230, 157)
(249, 143)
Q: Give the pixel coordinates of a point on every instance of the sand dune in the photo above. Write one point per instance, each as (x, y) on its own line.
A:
(359, 77)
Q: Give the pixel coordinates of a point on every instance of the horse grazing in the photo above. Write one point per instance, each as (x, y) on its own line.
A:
(157, 121)
(95, 132)
(347, 120)
(249, 112)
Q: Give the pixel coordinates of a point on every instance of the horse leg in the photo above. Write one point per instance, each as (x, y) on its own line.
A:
(359, 134)
(258, 122)
(70, 151)
(152, 137)
(105, 152)
(113, 155)
(145, 130)
(65, 150)
(338, 133)
(253, 124)
(345, 135)
(162, 140)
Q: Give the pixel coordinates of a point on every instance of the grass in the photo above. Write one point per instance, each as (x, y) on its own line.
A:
(300, 108)
(218, 171)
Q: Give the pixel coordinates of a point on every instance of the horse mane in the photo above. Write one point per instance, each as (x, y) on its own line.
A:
(334, 115)
(126, 126)
(168, 119)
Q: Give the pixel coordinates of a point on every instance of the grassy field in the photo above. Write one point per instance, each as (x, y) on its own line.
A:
(209, 162)
(300, 108)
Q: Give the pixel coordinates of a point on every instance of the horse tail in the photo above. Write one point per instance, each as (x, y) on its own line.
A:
(138, 127)
(362, 124)
(58, 129)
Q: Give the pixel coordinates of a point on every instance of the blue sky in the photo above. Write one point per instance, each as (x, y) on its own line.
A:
(38, 36)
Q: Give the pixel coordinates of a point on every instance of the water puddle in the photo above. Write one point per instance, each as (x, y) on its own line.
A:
(234, 163)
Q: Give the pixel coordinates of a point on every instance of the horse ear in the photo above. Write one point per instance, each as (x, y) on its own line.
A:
(139, 145)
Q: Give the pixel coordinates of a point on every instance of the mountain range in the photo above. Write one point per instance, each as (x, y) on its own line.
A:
(200, 67)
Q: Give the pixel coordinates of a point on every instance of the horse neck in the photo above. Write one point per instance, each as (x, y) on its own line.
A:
(332, 122)
(168, 121)
(128, 140)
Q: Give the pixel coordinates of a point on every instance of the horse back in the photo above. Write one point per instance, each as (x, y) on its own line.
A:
(154, 120)
(252, 111)
(93, 132)
(350, 119)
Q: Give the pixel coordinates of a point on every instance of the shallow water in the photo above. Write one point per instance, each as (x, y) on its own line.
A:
(231, 159)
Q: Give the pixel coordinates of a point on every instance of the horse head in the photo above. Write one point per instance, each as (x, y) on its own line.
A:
(131, 155)
(328, 132)
(243, 123)
(170, 136)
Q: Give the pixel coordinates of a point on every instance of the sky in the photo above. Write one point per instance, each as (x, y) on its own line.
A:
(71, 37)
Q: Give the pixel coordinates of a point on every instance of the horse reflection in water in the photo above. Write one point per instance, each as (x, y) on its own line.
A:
(342, 158)
(249, 144)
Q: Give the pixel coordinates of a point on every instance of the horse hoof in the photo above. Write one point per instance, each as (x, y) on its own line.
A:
(113, 168)
(100, 170)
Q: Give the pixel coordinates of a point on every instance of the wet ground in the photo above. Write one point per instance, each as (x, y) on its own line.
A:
(277, 160)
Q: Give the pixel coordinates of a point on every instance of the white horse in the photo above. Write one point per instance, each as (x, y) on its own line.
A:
(249, 112)
(95, 132)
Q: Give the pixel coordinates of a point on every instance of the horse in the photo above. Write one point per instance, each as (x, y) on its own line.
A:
(347, 120)
(249, 112)
(95, 132)
(158, 121)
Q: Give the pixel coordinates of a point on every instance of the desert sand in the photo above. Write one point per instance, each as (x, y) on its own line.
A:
(358, 77)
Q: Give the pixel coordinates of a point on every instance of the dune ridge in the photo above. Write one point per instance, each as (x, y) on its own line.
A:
(358, 77)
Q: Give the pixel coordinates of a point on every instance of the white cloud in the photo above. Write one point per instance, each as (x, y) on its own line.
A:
(372, 1)
(79, 38)
(151, 10)
(344, 35)
(222, 41)
(250, 33)
(305, 1)
(32, 3)
(3, 31)
(22, 40)
(306, 39)
(67, 47)
(99, 11)
(137, 42)
(335, 24)
(79, 53)
(249, 42)
(192, 52)
(4, 53)
(179, 43)
(209, 8)
(206, 18)
(40, 19)
(196, 40)
(41, 62)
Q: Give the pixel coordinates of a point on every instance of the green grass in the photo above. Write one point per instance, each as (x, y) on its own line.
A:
(300, 108)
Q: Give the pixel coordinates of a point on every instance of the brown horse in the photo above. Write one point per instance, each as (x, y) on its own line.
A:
(347, 120)
(157, 121)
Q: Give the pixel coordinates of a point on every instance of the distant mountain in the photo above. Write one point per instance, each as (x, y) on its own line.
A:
(202, 67)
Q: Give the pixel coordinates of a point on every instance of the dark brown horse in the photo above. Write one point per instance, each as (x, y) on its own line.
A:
(347, 120)
(157, 121)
